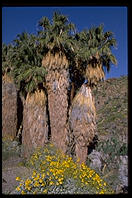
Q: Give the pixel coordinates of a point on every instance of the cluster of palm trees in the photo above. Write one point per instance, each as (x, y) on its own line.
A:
(60, 61)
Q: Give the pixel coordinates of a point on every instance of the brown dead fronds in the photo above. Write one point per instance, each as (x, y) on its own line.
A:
(7, 79)
(94, 74)
(84, 97)
(56, 61)
(38, 97)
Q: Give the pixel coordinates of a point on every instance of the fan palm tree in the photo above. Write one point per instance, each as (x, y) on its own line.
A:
(29, 78)
(9, 95)
(93, 54)
(7, 67)
(56, 40)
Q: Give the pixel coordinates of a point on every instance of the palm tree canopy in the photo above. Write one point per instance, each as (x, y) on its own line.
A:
(28, 73)
(56, 36)
(85, 51)
(94, 52)
(95, 43)
(7, 51)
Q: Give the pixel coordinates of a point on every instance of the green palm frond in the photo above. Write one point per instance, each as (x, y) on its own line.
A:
(7, 53)
(27, 61)
(95, 49)
(44, 22)
(59, 37)
(29, 75)
(113, 59)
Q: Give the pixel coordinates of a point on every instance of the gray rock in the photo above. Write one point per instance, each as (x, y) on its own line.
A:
(95, 158)
(15, 144)
(123, 170)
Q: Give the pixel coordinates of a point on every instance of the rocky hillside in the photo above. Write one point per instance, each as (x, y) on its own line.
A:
(109, 156)
(111, 100)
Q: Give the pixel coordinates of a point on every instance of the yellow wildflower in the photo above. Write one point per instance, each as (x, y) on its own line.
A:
(36, 178)
(28, 182)
(38, 175)
(78, 160)
(101, 192)
(18, 188)
(28, 188)
(34, 173)
(45, 191)
(43, 175)
(40, 181)
(23, 192)
(82, 180)
(36, 184)
(60, 179)
(18, 179)
(51, 183)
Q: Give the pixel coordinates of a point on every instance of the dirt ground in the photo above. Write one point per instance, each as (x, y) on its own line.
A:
(11, 169)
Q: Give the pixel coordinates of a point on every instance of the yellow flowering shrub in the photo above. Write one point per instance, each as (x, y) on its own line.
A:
(56, 173)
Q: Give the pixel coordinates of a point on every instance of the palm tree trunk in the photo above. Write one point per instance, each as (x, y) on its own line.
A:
(72, 92)
(35, 127)
(9, 110)
(82, 122)
(57, 86)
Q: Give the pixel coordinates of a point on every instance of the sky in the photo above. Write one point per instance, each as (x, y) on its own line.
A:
(16, 20)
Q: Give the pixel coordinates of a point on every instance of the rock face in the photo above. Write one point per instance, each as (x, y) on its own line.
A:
(9, 110)
(82, 121)
(35, 127)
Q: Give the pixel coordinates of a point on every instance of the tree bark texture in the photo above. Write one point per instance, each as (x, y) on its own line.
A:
(9, 110)
(35, 126)
(57, 86)
(82, 122)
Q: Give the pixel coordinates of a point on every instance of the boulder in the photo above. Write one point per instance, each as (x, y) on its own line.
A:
(95, 160)
(123, 170)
